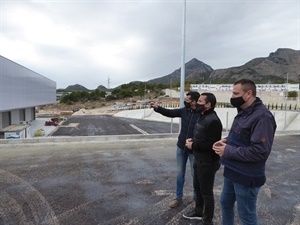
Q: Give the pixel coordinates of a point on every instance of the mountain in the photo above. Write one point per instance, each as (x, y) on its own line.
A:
(102, 88)
(195, 70)
(76, 87)
(271, 69)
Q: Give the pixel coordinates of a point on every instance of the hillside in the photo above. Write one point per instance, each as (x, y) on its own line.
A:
(271, 69)
(195, 70)
(76, 87)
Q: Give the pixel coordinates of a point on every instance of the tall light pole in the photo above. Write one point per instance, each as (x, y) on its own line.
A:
(144, 102)
(182, 75)
(286, 97)
(171, 81)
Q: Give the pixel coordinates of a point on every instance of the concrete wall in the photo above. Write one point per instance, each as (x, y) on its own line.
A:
(286, 120)
(29, 114)
(268, 97)
(4, 119)
(15, 117)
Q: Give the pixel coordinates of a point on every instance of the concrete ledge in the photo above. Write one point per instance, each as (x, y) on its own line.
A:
(111, 138)
(66, 139)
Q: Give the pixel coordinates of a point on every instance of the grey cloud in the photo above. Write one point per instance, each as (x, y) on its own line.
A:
(220, 33)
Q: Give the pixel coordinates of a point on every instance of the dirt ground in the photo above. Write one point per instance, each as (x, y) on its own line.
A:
(92, 108)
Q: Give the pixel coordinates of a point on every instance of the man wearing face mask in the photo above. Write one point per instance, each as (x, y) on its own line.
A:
(208, 130)
(244, 153)
(188, 117)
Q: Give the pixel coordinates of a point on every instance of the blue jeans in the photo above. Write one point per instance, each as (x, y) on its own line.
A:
(246, 203)
(182, 156)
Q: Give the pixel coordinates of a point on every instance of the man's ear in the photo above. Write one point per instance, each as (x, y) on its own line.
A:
(208, 104)
(249, 93)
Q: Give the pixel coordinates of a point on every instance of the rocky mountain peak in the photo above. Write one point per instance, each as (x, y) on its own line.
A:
(271, 69)
(285, 56)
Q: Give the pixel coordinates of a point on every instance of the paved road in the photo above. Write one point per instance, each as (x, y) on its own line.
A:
(125, 182)
(94, 125)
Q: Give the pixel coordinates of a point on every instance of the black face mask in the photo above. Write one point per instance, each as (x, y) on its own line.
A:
(237, 102)
(187, 105)
(200, 108)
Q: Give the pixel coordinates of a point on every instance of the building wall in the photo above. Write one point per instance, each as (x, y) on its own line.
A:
(15, 116)
(22, 88)
(4, 119)
(30, 114)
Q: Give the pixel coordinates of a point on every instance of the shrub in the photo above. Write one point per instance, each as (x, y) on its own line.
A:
(39, 133)
(293, 94)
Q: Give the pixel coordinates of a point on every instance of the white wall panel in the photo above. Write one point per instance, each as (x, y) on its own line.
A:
(23, 88)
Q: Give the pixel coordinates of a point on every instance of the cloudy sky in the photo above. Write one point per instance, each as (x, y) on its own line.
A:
(90, 42)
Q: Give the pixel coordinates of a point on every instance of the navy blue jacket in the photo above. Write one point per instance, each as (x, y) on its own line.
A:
(249, 144)
(188, 117)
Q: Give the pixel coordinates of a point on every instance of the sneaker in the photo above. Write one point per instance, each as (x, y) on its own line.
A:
(175, 203)
(192, 215)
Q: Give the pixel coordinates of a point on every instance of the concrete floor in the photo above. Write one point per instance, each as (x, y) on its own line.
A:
(125, 181)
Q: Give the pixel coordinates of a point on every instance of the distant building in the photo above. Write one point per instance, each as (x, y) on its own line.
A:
(21, 91)
(260, 87)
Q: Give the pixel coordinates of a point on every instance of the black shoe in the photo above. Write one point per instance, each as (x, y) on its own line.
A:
(206, 223)
(193, 215)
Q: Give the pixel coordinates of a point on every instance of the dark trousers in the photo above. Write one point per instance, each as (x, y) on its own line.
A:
(204, 178)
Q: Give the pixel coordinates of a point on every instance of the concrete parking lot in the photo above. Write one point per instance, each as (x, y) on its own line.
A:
(125, 181)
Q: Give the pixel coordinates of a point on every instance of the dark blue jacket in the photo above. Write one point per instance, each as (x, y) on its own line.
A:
(249, 144)
(188, 120)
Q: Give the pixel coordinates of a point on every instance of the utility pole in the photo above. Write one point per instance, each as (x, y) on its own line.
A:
(108, 82)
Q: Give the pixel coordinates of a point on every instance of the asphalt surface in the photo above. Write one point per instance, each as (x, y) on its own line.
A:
(94, 125)
(126, 182)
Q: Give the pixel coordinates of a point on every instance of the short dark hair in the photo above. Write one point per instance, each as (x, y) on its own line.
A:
(194, 95)
(210, 97)
(247, 85)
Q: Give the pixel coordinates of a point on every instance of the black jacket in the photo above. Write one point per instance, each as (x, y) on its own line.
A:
(208, 130)
(188, 121)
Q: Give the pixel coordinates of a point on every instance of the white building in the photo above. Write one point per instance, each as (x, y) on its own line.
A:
(260, 87)
(21, 90)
